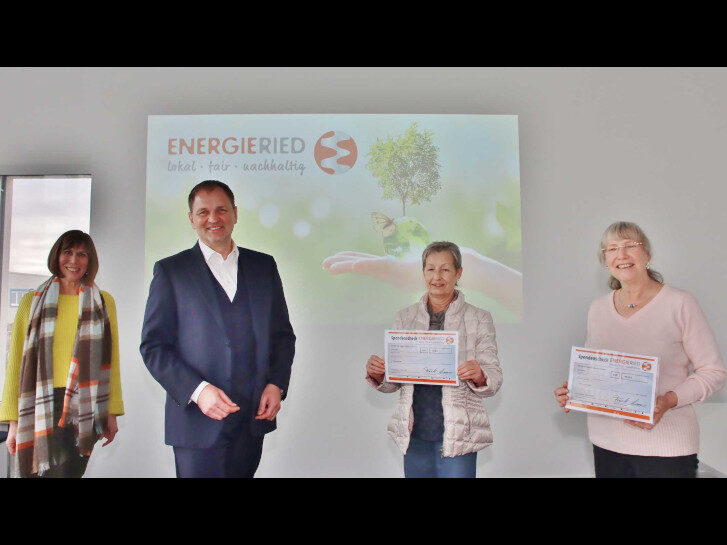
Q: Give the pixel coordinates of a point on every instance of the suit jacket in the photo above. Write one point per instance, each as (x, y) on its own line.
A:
(184, 342)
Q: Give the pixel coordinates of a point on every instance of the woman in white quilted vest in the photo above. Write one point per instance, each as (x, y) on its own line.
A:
(439, 429)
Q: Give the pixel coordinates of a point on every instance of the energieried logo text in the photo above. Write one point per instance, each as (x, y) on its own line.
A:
(254, 150)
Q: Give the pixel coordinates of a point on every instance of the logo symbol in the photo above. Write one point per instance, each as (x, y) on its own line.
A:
(335, 152)
(646, 367)
(450, 340)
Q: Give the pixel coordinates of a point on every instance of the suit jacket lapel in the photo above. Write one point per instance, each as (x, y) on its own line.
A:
(247, 275)
(200, 275)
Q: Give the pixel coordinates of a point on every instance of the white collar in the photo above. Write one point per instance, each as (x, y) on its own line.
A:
(208, 252)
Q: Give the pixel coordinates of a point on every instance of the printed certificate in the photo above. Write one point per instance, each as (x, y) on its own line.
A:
(421, 357)
(613, 383)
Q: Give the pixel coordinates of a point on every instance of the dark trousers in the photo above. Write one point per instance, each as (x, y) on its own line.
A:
(235, 454)
(63, 445)
(611, 464)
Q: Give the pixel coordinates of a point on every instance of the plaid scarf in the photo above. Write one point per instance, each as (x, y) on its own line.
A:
(85, 406)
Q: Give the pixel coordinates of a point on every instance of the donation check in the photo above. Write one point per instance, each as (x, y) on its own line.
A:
(421, 357)
(613, 384)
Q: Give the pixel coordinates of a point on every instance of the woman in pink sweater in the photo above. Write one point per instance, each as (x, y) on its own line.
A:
(644, 316)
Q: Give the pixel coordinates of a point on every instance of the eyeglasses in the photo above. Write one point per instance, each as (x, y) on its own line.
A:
(613, 250)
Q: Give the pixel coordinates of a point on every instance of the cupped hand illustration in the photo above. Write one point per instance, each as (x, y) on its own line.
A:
(405, 275)
(480, 273)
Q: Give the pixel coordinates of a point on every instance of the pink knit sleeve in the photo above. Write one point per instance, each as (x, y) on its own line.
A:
(701, 347)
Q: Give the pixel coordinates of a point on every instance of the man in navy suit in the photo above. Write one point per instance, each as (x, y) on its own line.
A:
(217, 337)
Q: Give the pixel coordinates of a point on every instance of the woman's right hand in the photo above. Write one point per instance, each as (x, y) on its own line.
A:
(561, 395)
(12, 434)
(375, 368)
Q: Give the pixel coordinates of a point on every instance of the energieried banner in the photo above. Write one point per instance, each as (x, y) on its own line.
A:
(347, 203)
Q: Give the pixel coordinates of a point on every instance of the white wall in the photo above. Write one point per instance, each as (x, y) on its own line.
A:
(596, 145)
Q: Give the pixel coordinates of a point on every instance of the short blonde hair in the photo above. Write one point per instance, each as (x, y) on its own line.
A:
(621, 230)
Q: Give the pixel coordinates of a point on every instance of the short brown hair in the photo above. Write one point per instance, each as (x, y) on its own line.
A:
(71, 239)
(443, 246)
(209, 185)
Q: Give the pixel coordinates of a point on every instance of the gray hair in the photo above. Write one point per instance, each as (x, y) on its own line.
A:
(626, 229)
(443, 246)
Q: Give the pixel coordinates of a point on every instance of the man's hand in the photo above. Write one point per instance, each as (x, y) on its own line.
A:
(471, 370)
(269, 403)
(12, 435)
(214, 403)
(111, 430)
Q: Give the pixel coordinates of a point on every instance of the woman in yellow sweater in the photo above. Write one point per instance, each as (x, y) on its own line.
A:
(62, 386)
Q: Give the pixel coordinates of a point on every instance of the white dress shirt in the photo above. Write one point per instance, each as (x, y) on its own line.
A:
(225, 271)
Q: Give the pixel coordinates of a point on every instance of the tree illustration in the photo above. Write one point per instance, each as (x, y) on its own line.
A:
(406, 166)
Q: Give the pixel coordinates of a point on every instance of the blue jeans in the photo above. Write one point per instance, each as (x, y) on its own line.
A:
(423, 459)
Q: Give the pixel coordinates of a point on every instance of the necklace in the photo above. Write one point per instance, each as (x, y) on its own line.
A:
(630, 305)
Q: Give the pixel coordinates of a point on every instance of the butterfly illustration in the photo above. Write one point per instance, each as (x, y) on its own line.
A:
(383, 224)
